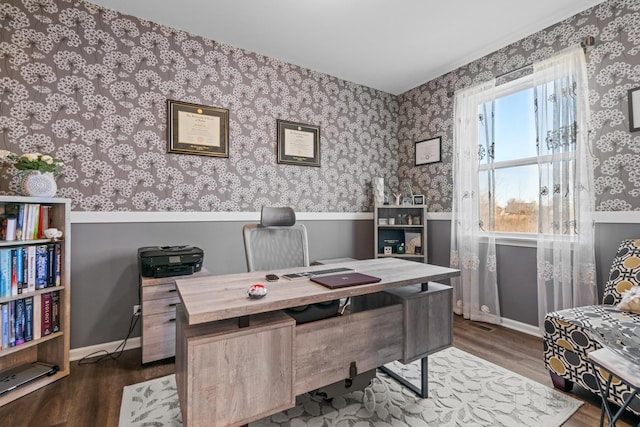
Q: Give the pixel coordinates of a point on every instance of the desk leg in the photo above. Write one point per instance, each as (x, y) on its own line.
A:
(604, 393)
(423, 391)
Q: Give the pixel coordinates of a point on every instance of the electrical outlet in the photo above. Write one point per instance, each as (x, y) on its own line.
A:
(136, 310)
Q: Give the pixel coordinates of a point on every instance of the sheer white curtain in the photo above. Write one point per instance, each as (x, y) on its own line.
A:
(476, 290)
(565, 255)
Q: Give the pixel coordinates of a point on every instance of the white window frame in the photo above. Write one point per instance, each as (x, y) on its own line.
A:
(506, 89)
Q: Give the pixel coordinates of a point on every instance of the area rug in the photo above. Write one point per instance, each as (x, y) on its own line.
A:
(464, 390)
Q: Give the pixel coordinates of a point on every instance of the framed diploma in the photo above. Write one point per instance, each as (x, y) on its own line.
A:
(197, 129)
(298, 144)
(428, 151)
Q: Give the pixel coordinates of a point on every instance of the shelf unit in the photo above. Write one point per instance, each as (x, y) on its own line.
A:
(400, 224)
(53, 348)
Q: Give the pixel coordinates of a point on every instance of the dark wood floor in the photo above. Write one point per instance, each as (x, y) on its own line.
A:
(91, 395)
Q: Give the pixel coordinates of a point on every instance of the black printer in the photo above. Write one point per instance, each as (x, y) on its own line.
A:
(165, 261)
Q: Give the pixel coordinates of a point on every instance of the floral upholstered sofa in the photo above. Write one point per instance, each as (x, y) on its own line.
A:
(566, 333)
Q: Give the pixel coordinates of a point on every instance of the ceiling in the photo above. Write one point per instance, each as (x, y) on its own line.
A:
(390, 45)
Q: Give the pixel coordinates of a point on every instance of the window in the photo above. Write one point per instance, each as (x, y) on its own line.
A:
(509, 168)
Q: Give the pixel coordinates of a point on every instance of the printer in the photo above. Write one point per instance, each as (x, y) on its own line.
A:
(165, 261)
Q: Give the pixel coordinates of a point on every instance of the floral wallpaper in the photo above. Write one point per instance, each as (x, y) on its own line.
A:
(90, 85)
(613, 68)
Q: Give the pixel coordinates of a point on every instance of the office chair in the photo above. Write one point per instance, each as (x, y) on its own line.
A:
(278, 243)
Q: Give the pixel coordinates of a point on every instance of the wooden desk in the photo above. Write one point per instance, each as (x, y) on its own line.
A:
(239, 359)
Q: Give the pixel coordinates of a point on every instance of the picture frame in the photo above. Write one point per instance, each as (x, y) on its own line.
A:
(412, 240)
(418, 199)
(634, 109)
(428, 151)
(298, 143)
(197, 129)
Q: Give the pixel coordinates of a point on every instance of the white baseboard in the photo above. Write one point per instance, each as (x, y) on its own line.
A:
(521, 327)
(79, 353)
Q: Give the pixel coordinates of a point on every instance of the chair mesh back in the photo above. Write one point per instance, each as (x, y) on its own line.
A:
(624, 272)
(270, 248)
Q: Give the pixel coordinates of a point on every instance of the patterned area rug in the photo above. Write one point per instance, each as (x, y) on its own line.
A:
(464, 390)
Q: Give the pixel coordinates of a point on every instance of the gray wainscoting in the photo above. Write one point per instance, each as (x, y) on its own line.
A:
(104, 272)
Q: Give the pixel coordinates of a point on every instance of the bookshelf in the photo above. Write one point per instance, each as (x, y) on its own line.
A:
(52, 348)
(397, 224)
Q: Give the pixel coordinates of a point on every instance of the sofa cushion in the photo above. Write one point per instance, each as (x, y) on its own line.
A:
(570, 328)
(624, 272)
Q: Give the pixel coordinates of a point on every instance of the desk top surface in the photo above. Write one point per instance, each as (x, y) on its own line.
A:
(212, 298)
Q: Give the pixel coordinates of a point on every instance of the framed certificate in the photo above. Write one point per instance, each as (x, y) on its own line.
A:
(428, 151)
(298, 144)
(197, 129)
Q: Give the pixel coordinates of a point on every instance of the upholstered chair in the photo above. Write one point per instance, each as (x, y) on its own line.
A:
(568, 334)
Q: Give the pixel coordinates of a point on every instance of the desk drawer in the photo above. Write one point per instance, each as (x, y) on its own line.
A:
(166, 290)
(158, 336)
(158, 306)
(325, 349)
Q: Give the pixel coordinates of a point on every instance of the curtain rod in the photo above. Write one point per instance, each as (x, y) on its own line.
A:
(585, 44)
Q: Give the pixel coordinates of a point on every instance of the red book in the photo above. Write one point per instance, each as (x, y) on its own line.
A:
(55, 311)
(47, 303)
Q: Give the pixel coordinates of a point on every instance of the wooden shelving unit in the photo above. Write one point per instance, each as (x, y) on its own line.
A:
(53, 348)
(399, 224)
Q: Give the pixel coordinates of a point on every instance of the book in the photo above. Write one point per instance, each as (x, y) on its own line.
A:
(42, 268)
(57, 264)
(12, 322)
(45, 314)
(14, 275)
(37, 316)
(28, 325)
(45, 220)
(36, 221)
(19, 272)
(31, 268)
(27, 220)
(5, 273)
(20, 224)
(4, 321)
(55, 311)
(20, 320)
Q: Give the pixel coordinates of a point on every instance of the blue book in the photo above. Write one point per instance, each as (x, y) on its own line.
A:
(5, 273)
(28, 325)
(4, 315)
(42, 267)
(12, 323)
(20, 320)
(20, 270)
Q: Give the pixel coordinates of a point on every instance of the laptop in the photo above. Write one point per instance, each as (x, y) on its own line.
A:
(344, 280)
(13, 378)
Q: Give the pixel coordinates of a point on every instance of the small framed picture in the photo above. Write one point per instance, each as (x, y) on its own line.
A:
(418, 199)
(634, 109)
(298, 144)
(428, 151)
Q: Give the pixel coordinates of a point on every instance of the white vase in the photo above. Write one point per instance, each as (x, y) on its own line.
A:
(378, 191)
(39, 184)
